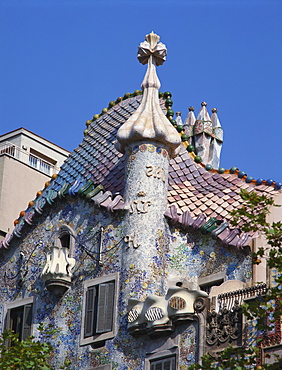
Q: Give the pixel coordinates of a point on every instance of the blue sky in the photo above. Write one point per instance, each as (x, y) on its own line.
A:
(63, 61)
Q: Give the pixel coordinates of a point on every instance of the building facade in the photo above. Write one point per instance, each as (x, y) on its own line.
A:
(27, 161)
(128, 253)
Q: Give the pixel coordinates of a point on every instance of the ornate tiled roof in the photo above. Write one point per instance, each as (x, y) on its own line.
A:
(197, 197)
(192, 188)
(96, 157)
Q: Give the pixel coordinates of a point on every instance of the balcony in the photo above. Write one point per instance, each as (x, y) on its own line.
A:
(30, 159)
(230, 299)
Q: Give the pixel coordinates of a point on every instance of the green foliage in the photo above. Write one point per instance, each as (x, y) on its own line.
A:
(252, 217)
(23, 355)
(27, 354)
(230, 358)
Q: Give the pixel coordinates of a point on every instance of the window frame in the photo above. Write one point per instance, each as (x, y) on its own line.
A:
(14, 305)
(166, 351)
(211, 280)
(66, 230)
(163, 358)
(99, 337)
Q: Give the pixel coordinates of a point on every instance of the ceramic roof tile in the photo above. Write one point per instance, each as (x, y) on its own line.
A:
(181, 203)
(177, 159)
(209, 202)
(181, 186)
(210, 195)
(220, 194)
(219, 210)
(186, 190)
(229, 208)
(198, 203)
(193, 182)
(203, 207)
(208, 211)
(220, 200)
(175, 166)
(236, 204)
(197, 211)
(214, 206)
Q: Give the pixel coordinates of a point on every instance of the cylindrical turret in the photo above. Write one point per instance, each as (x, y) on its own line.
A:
(148, 140)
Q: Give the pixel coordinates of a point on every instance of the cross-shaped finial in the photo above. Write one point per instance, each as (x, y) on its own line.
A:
(152, 47)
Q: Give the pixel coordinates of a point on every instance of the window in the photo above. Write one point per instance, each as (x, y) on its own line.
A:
(162, 354)
(207, 282)
(99, 308)
(40, 161)
(167, 363)
(45, 167)
(19, 318)
(207, 287)
(66, 238)
(33, 161)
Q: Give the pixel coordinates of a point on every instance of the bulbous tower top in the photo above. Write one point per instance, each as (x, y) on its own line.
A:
(148, 122)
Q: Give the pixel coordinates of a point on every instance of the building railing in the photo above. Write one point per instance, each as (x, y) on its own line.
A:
(10, 149)
(229, 299)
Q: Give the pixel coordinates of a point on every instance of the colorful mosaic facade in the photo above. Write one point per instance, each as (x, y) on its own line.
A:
(125, 252)
(180, 256)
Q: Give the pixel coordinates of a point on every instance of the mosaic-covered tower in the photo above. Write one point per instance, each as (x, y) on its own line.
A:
(148, 140)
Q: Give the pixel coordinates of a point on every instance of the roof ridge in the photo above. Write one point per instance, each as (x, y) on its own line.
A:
(218, 229)
(79, 189)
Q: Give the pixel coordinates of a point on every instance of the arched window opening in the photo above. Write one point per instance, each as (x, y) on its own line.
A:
(67, 238)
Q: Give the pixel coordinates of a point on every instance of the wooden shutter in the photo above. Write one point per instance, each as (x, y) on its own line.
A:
(27, 321)
(105, 307)
(89, 312)
(8, 320)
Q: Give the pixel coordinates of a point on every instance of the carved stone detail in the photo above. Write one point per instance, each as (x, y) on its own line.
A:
(141, 206)
(148, 121)
(158, 315)
(156, 172)
(57, 272)
(224, 326)
(131, 241)
(199, 304)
